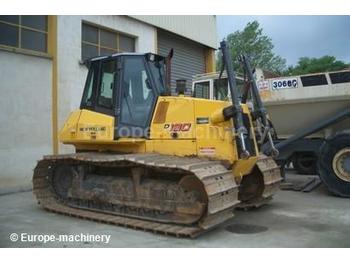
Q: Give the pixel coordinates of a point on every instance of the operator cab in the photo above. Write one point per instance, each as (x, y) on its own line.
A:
(125, 86)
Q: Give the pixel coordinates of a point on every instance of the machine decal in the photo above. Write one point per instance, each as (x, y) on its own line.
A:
(207, 150)
(284, 83)
(178, 127)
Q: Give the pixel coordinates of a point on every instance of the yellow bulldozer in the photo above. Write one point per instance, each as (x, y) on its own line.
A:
(147, 160)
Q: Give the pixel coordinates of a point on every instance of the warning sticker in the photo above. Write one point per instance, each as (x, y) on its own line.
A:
(263, 85)
(207, 150)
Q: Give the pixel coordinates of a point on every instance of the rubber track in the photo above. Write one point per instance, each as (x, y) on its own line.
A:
(221, 188)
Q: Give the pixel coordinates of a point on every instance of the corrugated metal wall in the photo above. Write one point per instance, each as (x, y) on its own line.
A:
(199, 28)
(188, 59)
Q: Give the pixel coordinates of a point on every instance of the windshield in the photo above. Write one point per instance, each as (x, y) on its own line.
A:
(220, 89)
(158, 72)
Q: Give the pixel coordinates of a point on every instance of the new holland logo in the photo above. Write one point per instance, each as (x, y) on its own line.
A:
(92, 128)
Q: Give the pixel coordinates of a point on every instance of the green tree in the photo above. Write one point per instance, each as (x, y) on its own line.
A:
(258, 46)
(307, 65)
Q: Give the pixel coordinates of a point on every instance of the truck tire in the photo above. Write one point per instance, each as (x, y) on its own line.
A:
(305, 163)
(334, 164)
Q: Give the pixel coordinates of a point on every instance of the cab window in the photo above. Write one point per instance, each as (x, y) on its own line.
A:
(220, 89)
(106, 87)
(201, 90)
(87, 100)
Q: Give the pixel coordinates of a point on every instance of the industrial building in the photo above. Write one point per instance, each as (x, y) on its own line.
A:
(42, 73)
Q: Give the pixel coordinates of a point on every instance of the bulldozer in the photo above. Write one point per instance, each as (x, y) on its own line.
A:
(147, 160)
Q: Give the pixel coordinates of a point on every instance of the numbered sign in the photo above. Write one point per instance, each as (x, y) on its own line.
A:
(284, 83)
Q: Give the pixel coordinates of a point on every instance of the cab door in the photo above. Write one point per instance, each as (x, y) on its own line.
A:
(136, 98)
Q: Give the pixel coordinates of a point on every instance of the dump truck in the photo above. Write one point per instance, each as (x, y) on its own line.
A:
(146, 160)
(309, 115)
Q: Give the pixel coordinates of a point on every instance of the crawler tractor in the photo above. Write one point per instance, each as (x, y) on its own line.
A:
(144, 159)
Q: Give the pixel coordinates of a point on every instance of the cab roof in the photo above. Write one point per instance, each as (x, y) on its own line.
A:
(157, 57)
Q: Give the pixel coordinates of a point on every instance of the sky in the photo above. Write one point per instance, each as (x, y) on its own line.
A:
(297, 36)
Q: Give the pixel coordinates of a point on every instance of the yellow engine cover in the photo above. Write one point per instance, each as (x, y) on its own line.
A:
(189, 120)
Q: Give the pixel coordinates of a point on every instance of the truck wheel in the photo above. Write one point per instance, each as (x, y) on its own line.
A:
(305, 163)
(334, 164)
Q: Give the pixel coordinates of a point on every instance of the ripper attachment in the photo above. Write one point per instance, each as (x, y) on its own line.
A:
(236, 110)
(259, 113)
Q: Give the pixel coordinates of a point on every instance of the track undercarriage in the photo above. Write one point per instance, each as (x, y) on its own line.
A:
(182, 196)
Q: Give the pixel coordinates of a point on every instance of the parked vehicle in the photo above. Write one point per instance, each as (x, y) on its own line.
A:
(141, 160)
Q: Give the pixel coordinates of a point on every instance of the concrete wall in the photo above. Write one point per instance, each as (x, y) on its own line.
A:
(25, 117)
(71, 75)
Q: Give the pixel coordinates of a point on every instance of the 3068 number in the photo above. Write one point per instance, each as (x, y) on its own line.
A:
(285, 83)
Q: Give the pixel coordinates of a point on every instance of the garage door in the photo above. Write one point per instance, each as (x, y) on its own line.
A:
(188, 59)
